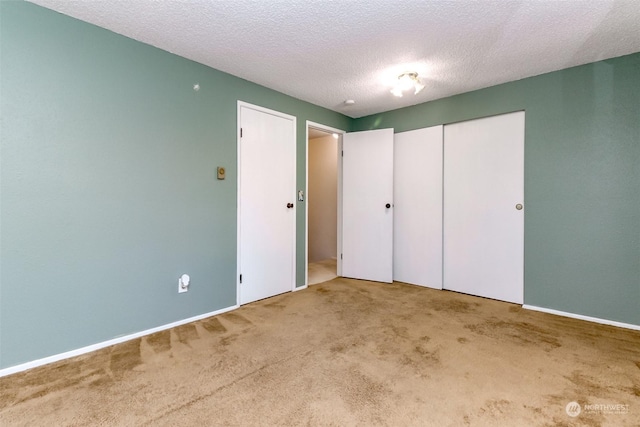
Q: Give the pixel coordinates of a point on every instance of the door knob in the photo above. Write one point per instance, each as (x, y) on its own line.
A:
(519, 207)
(388, 205)
(289, 205)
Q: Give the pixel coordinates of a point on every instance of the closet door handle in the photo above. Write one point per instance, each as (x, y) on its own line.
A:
(289, 205)
(388, 205)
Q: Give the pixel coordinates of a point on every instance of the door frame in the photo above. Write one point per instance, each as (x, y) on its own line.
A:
(340, 132)
(240, 105)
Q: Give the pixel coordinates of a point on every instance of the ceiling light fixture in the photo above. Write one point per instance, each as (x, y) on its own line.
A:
(407, 81)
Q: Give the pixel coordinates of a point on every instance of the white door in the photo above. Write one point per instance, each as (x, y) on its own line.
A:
(417, 216)
(483, 216)
(367, 205)
(266, 203)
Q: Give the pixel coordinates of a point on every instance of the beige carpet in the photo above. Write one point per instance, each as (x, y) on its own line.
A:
(346, 353)
(322, 271)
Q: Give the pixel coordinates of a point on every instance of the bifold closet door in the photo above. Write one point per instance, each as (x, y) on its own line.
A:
(483, 231)
(417, 217)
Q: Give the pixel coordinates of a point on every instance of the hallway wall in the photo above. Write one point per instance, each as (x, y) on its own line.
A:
(323, 198)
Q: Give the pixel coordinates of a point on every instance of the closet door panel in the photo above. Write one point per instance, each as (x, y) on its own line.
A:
(417, 221)
(483, 237)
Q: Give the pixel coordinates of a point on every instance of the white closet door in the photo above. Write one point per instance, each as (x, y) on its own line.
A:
(266, 163)
(367, 205)
(417, 216)
(483, 189)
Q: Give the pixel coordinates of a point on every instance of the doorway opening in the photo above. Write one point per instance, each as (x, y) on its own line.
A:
(323, 203)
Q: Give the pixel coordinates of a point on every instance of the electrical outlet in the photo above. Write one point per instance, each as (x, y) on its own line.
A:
(183, 283)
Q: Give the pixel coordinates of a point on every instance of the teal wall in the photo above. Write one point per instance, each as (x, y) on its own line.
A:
(582, 180)
(108, 183)
(108, 189)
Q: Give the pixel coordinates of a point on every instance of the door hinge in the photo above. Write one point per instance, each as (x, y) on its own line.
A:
(240, 132)
(340, 256)
(342, 153)
(241, 278)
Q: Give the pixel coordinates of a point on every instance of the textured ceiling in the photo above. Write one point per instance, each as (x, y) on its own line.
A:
(325, 51)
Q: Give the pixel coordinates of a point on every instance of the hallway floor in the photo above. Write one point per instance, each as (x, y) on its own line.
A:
(322, 271)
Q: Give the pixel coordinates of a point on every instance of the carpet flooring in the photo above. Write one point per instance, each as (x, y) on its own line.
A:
(347, 353)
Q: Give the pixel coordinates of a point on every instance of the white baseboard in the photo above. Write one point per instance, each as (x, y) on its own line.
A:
(581, 317)
(299, 288)
(69, 354)
(66, 355)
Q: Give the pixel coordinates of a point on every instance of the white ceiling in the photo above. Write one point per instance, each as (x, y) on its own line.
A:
(328, 51)
(317, 133)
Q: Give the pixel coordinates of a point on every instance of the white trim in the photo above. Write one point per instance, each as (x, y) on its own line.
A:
(306, 204)
(581, 317)
(294, 196)
(339, 184)
(306, 194)
(266, 111)
(83, 350)
(239, 184)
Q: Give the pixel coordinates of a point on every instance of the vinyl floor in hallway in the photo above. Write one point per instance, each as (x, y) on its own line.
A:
(322, 271)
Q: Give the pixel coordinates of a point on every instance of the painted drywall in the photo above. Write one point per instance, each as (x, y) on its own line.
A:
(108, 183)
(322, 199)
(108, 188)
(582, 180)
